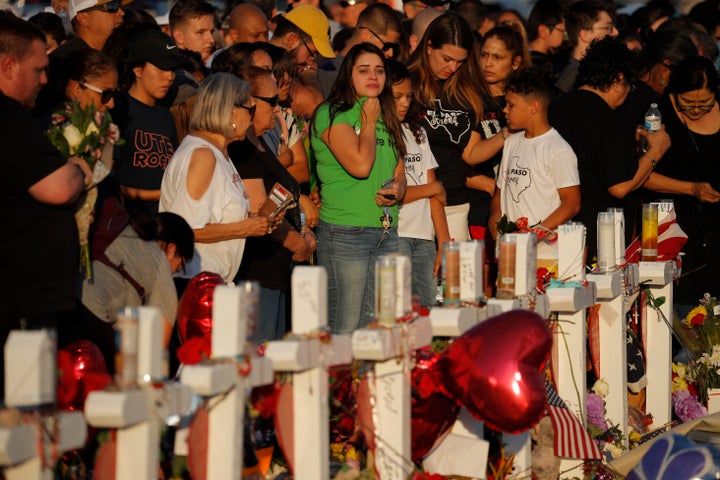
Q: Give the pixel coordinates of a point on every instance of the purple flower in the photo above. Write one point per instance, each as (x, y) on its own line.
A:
(595, 410)
(687, 406)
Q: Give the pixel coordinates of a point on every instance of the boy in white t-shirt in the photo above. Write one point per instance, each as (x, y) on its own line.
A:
(538, 176)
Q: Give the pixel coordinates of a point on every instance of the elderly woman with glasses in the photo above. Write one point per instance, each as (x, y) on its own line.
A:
(690, 171)
(269, 262)
(202, 185)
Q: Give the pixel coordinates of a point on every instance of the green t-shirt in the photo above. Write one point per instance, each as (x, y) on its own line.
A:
(348, 200)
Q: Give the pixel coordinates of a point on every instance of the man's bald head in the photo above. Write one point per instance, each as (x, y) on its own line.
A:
(247, 24)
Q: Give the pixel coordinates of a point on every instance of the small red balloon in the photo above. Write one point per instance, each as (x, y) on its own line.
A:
(194, 315)
(82, 362)
(494, 370)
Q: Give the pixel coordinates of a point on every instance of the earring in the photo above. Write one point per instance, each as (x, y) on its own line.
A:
(234, 126)
(663, 82)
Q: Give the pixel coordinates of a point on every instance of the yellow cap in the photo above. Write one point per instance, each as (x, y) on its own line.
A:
(313, 21)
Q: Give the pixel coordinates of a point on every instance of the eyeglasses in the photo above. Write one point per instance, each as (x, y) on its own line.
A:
(690, 108)
(385, 45)
(251, 109)
(105, 95)
(110, 7)
(314, 54)
(273, 101)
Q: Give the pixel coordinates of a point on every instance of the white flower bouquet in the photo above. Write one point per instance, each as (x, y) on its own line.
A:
(89, 134)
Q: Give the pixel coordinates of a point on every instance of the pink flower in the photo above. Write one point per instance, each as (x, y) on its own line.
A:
(595, 410)
(113, 133)
(687, 406)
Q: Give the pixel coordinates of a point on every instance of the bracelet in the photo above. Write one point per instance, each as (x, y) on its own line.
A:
(503, 134)
(653, 164)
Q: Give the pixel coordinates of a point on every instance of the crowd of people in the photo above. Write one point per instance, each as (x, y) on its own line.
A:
(255, 140)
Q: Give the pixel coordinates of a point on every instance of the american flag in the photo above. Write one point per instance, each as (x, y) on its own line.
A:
(571, 438)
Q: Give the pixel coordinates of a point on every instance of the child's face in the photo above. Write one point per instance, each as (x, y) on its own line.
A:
(403, 94)
(517, 111)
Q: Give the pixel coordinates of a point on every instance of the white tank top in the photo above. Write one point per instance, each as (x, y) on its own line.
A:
(225, 201)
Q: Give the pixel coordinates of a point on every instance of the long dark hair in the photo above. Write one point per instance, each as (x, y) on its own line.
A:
(398, 73)
(463, 88)
(343, 96)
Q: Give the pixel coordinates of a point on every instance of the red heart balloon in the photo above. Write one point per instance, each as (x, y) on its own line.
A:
(433, 412)
(494, 370)
(194, 315)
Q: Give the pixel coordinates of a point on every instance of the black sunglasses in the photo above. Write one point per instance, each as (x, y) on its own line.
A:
(105, 95)
(110, 7)
(273, 101)
(251, 110)
(385, 45)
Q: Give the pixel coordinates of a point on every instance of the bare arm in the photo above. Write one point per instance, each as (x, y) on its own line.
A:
(568, 208)
(356, 153)
(478, 150)
(216, 232)
(437, 213)
(703, 191)
(299, 168)
(658, 143)
(63, 185)
(139, 194)
(482, 183)
(416, 192)
(495, 213)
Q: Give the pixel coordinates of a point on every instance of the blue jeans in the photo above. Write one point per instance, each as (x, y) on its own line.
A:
(422, 258)
(272, 317)
(348, 254)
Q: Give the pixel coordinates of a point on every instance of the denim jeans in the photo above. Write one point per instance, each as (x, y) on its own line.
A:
(272, 316)
(348, 254)
(422, 258)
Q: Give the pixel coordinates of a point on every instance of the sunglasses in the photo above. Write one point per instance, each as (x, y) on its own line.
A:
(105, 95)
(385, 45)
(251, 110)
(272, 101)
(110, 7)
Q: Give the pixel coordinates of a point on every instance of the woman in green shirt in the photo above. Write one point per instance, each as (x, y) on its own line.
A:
(358, 144)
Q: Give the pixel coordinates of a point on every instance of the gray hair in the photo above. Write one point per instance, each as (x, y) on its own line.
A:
(217, 96)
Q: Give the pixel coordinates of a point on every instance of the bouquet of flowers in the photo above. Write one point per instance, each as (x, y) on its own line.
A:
(699, 333)
(88, 134)
(607, 436)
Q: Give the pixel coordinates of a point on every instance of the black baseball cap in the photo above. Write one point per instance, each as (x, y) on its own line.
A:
(155, 47)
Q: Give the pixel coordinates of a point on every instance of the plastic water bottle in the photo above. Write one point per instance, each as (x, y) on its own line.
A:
(653, 120)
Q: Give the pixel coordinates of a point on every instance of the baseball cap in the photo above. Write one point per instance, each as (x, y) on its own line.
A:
(77, 6)
(153, 46)
(313, 21)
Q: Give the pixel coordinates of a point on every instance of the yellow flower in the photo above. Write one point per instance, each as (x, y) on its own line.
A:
(679, 382)
(696, 316)
(91, 128)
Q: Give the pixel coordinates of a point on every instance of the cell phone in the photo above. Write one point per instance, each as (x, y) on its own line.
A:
(278, 200)
(386, 185)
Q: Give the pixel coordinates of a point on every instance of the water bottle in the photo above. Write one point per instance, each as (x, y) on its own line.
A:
(653, 120)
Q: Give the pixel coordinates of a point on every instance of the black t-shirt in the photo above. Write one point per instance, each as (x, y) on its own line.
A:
(150, 142)
(693, 157)
(448, 130)
(38, 242)
(491, 122)
(264, 259)
(604, 156)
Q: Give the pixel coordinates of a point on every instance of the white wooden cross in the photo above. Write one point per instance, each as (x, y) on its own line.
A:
(613, 353)
(391, 347)
(31, 450)
(137, 413)
(657, 340)
(306, 355)
(233, 308)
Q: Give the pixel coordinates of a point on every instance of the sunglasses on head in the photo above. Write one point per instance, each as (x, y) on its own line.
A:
(272, 101)
(105, 95)
(110, 7)
(385, 45)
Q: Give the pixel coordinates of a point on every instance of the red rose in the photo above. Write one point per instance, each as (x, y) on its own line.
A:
(194, 350)
(697, 319)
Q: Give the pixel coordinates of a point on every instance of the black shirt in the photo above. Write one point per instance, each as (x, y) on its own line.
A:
(38, 242)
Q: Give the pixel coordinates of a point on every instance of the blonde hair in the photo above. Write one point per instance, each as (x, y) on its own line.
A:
(217, 96)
